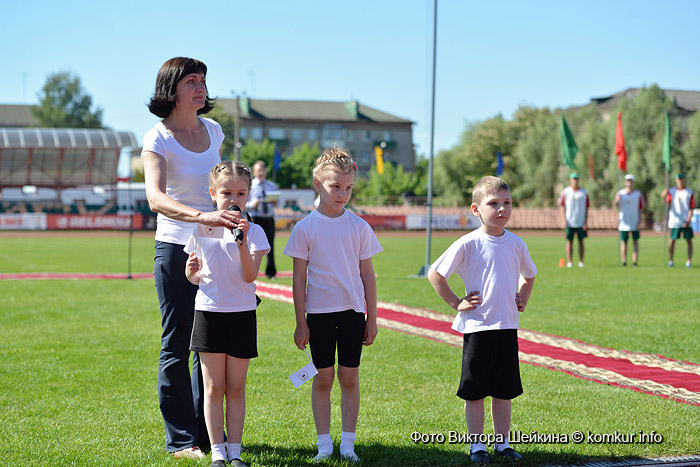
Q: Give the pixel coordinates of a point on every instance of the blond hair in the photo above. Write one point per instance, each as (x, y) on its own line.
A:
(335, 158)
(487, 185)
(227, 169)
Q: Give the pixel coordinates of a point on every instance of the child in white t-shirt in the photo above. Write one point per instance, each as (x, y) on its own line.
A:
(333, 249)
(224, 263)
(491, 261)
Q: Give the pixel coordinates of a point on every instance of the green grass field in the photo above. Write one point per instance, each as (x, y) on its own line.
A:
(78, 377)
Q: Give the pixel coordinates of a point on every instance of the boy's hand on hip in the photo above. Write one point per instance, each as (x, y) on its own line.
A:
(470, 302)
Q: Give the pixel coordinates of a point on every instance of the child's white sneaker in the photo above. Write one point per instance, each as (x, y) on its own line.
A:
(670, 264)
(580, 264)
(687, 264)
(323, 455)
(568, 265)
(351, 456)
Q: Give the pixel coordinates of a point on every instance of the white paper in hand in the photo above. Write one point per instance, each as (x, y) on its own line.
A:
(305, 374)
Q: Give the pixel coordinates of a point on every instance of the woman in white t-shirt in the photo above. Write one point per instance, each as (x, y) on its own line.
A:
(177, 155)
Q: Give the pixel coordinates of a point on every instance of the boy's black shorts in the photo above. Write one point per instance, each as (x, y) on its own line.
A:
(344, 328)
(232, 333)
(490, 365)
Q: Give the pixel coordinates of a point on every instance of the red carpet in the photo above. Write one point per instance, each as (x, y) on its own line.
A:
(650, 374)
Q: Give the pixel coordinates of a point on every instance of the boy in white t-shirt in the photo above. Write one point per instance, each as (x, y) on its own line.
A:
(333, 248)
(498, 276)
(630, 203)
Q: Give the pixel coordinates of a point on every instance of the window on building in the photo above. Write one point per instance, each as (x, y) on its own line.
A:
(387, 136)
(367, 137)
(243, 133)
(333, 133)
(297, 134)
(313, 134)
(276, 133)
(256, 133)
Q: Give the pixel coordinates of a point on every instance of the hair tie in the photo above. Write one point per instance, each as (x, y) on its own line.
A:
(355, 164)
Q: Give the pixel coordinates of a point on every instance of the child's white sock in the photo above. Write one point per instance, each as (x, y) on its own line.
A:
(325, 446)
(477, 447)
(347, 443)
(234, 451)
(502, 446)
(218, 452)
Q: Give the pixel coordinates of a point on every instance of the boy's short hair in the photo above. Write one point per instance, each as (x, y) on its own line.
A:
(335, 158)
(486, 185)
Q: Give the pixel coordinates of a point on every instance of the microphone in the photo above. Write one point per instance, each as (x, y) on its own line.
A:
(237, 233)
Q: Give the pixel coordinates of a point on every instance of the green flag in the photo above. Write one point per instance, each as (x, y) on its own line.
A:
(668, 144)
(568, 145)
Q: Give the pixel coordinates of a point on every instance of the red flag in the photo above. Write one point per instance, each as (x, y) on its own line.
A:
(620, 145)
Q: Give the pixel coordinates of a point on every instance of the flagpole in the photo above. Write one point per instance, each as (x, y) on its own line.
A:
(666, 157)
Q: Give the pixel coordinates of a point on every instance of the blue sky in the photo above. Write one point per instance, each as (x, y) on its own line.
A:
(492, 56)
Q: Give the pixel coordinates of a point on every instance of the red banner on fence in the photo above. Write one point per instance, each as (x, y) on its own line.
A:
(385, 222)
(93, 222)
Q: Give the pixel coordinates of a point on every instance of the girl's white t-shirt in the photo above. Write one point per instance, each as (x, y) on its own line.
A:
(187, 176)
(222, 287)
(333, 247)
(492, 266)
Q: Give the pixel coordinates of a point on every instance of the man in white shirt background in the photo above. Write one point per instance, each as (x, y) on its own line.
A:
(630, 203)
(574, 214)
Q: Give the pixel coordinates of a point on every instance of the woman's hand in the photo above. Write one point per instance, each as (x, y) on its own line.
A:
(228, 219)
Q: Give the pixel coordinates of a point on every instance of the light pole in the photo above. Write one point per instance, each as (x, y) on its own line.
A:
(429, 229)
(237, 131)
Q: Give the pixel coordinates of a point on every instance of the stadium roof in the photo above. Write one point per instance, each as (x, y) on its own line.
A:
(65, 138)
(60, 157)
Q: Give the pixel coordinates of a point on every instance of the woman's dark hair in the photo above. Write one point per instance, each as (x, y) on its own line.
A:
(172, 71)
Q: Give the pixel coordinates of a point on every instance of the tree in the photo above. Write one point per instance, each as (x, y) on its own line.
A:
(63, 103)
(643, 120)
(390, 186)
(228, 126)
(263, 151)
(538, 160)
(295, 169)
(691, 150)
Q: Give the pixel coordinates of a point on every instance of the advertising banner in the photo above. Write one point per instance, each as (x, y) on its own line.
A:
(385, 222)
(27, 221)
(93, 222)
(443, 222)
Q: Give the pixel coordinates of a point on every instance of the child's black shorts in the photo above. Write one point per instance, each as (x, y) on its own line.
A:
(232, 333)
(344, 328)
(490, 365)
